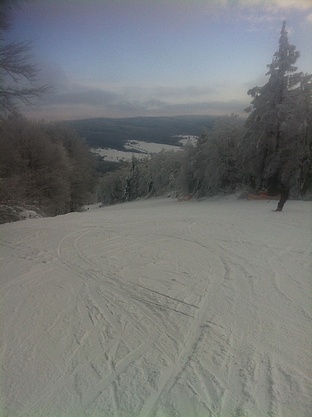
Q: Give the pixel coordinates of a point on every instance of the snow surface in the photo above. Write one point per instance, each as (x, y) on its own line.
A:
(158, 308)
(141, 149)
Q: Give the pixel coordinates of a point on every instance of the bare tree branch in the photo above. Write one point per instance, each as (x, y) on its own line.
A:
(18, 75)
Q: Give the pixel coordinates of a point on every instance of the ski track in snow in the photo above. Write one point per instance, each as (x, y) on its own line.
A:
(158, 308)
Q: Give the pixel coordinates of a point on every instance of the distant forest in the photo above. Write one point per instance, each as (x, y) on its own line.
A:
(114, 133)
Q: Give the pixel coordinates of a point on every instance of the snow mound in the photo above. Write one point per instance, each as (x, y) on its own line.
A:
(28, 214)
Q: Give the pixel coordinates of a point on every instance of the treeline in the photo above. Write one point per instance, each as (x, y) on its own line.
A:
(44, 165)
(48, 166)
(219, 163)
(208, 167)
(271, 151)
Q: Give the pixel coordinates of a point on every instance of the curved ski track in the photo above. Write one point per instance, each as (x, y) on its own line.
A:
(171, 310)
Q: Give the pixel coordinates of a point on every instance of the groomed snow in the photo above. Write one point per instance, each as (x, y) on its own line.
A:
(158, 308)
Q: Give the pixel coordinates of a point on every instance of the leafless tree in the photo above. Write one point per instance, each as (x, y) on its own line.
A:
(18, 74)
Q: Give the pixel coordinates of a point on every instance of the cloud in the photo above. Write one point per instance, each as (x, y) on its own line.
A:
(168, 93)
(267, 12)
(293, 4)
(277, 4)
(96, 98)
(87, 103)
(205, 107)
(309, 18)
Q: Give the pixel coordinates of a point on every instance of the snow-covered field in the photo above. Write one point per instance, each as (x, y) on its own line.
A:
(141, 149)
(158, 308)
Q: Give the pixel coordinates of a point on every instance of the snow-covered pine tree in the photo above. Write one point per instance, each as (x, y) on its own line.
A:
(301, 126)
(275, 147)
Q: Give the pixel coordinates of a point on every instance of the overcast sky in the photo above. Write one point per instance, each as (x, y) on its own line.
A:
(126, 58)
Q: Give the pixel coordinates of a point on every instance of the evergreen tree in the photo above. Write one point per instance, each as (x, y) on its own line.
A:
(272, 147)
(215, 166)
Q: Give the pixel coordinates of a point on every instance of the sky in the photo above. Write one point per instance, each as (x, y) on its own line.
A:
(130, 58)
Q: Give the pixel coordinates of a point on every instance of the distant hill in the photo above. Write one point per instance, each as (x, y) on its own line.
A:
(114, 133)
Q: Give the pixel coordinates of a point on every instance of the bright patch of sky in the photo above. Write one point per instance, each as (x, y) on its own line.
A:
(121, 58)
